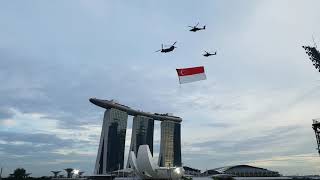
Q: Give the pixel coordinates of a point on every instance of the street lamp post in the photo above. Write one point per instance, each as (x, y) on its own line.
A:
(1, 174)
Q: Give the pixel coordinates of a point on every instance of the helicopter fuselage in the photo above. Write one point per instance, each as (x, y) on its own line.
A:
(167, 49)
(209, 54)
(195, 29)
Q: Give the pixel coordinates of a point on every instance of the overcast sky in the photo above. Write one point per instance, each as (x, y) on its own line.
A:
(256, 106)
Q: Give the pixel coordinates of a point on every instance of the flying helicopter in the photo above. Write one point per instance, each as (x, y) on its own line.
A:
(207, 54)
(195, 28)
(169, 49)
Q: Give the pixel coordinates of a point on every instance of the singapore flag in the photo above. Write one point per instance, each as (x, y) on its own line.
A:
(187, 75)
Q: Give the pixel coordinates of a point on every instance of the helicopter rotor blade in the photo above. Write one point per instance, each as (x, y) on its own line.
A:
(158, 50)
(161, 46)
(191, 26)
(197, 24)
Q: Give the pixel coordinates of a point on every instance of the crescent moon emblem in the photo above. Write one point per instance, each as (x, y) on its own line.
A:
(181, 72)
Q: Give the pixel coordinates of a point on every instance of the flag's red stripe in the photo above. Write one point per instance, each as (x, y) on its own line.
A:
(190, 71)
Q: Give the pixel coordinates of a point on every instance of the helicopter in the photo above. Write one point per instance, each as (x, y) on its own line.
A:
(209, 54)
(165, 50)
(195, 28)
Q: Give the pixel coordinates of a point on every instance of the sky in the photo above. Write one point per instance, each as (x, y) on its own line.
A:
(256, 106)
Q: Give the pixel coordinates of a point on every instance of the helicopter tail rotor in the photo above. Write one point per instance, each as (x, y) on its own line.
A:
(204, 27)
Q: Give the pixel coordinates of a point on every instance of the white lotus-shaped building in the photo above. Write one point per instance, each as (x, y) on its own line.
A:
(145, 166)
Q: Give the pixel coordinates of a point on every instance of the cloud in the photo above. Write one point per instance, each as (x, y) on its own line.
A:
(5, 113)
(256, 105)
(227, 151)
(26, 144)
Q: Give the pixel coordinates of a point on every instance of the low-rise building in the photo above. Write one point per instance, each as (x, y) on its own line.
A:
(191, 171)
(247, 171)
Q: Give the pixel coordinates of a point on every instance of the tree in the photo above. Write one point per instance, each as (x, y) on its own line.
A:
(19, 173)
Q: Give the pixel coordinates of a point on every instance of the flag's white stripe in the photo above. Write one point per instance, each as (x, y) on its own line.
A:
(192, 78)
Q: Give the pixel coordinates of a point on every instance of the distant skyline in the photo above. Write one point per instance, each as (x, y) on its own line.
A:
(256, 106)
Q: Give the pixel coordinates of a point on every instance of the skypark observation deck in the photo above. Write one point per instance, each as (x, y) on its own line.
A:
(111, 104)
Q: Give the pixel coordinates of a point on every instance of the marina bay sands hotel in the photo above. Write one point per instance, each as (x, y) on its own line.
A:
(112, 141)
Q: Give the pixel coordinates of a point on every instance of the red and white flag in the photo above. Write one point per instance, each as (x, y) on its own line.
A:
(187, 75)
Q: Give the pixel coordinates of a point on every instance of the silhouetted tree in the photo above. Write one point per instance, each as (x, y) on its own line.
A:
(19, 173)
(69, 172)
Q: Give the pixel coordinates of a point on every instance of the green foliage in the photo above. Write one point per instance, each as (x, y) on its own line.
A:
(18, 174)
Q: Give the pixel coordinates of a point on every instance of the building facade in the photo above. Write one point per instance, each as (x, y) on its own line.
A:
(112, 142)
(191, 171)
(142, 133)
(247, 171)
(170, 145)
